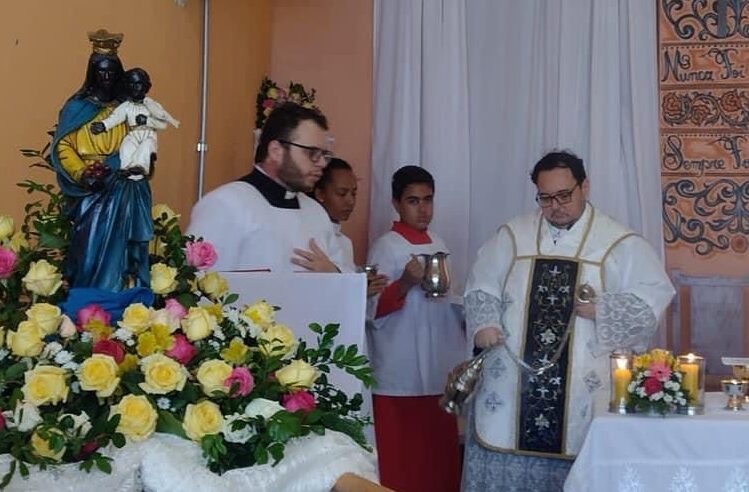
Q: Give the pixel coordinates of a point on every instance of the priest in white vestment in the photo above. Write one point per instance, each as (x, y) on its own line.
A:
(534, 404)
(264, 221)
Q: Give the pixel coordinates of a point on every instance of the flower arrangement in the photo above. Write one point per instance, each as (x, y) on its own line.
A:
(656, 384)
(271, 95)
(183, 360)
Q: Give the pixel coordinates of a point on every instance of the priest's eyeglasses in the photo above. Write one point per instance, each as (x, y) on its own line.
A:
(314, 153)
(562, 197)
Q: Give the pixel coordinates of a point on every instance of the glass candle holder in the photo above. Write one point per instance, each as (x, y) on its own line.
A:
(693, 381)
(621, 375)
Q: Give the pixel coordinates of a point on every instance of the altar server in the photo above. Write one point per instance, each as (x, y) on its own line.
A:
(414, 342)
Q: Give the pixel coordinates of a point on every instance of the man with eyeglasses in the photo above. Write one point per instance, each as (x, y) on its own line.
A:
(549, 339)
(264, 220)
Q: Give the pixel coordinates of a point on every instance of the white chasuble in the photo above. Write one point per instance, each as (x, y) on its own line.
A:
(534, 273)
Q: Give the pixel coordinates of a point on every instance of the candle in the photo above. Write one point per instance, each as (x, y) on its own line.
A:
(622, 378)
(691, 370)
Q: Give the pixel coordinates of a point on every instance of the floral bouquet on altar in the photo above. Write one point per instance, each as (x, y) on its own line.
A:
(179, 358)
(656, 385)
(271, 95)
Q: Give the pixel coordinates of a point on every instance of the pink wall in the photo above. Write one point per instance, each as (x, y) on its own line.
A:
(327, 45)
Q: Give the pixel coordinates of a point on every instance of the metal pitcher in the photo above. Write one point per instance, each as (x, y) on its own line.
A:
(436, 280)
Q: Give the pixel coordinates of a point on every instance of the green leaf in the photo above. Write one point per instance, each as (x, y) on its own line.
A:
(231, 299)
(169, 424)
(103, 464)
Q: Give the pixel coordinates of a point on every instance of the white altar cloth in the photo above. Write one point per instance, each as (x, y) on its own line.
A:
(637, 453)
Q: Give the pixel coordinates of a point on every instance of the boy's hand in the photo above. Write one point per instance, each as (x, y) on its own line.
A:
(376, 283)
(412, 274)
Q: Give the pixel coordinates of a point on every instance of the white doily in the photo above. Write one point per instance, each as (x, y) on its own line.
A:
(69, 478)
(310, 464)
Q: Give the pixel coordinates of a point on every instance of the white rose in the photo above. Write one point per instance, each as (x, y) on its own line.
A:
(80, 422)
(260, 407)
(26, 417)
(668, 398)
(239, 436)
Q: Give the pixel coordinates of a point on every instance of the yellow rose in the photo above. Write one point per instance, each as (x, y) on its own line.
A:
(212, 374)
(2, 336)
(27, 340)
(45, 385)
(46, 316)
(137, 417)
(163, 375)
(202, 419)
(236, 352)
(136, 318)
(42, 278)
(67, 327)
(298, 375)
(213, 285)
(159, 210)
(272, 93)
(18, 242)
(261, 313)
(280, 341)
(129, 363)
(163, 278)
(42, 448)
(198, 324)
(6, 227)
(99, 373)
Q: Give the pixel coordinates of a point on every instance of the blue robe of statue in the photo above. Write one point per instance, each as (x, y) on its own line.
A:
(111, 226)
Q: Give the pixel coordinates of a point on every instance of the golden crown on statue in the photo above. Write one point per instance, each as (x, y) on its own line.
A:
(105, 42)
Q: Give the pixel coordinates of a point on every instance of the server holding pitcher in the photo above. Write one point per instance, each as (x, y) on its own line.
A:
(415, 340)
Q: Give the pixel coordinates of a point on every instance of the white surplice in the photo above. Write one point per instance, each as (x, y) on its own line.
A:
(251, 234)
(413, 349)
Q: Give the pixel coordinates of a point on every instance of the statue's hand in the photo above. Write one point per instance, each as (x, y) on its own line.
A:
(93, 176)
(141, 119)
(97, 127)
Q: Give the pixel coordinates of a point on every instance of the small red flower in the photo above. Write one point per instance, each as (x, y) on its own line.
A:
(652, 386)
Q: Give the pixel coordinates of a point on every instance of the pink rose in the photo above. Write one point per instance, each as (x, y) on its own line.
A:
(93, 312)
(176, 309)
(652, 386)
(2, 422)
(660, 371)
(87, 448)
(243, 378)
(110, 348)
(182, 351)
(8, 260)
(201, 254)
(301, 400)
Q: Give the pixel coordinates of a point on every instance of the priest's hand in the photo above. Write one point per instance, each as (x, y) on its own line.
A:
(586, 310)
(314, 259)
(376, 283)
(488, 337)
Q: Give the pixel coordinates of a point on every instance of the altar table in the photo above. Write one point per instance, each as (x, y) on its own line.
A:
(637, 453)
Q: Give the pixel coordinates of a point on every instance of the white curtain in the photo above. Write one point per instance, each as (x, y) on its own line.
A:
(476, 91)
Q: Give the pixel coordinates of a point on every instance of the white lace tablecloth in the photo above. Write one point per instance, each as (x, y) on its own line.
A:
(166, 463)
(635, 453)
